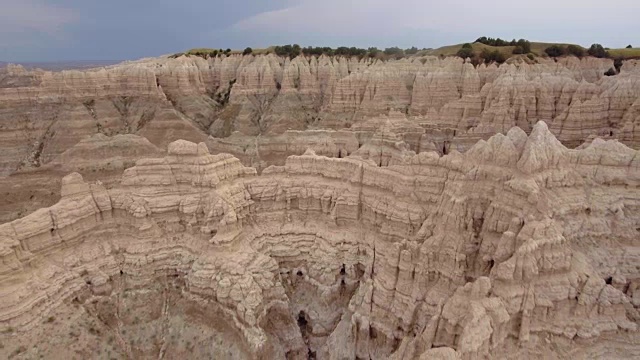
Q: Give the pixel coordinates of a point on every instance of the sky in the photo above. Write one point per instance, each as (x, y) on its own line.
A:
(70, 30)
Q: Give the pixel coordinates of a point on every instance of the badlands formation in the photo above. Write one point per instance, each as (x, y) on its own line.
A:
(255, 207)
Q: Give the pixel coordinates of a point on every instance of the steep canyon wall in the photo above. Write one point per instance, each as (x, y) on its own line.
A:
(520, 246)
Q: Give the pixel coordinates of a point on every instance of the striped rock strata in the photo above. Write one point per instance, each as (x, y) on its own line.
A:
(518, 248)
(163, 99)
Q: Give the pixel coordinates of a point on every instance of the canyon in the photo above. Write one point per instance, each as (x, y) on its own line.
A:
(260, 207)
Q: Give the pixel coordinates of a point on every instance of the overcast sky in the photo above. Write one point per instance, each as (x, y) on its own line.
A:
(60, 30)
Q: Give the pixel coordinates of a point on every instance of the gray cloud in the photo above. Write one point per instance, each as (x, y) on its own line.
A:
(42, 30)
(21, 19)
(582, 21)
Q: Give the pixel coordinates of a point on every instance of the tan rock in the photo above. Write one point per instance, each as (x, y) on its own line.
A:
(518, 239)
(165, 99)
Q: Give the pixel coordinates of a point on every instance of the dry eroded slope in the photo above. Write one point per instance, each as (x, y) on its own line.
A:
(518, 247)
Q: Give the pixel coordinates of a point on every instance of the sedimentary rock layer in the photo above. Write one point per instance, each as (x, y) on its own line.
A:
(508, 248)
(42, 114)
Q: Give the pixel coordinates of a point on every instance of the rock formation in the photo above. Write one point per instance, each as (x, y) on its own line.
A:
(164, 99)
(98, 157)
(262, 109)
(520, 247)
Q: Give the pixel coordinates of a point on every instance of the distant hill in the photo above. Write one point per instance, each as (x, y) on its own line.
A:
(537, 48)
(505, 48)
(633, 53)
(64, 65)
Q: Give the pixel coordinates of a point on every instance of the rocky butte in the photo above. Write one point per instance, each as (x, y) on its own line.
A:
(259, 207)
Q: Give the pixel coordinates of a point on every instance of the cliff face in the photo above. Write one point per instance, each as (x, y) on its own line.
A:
(321, 208)
(42, 114)
(520, 247)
